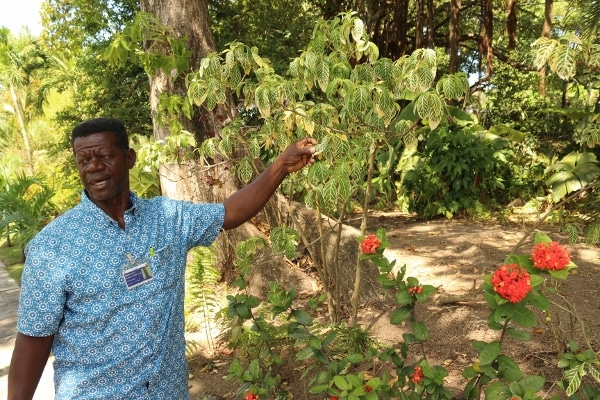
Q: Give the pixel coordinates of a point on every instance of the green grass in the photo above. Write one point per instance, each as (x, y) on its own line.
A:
(11, 257)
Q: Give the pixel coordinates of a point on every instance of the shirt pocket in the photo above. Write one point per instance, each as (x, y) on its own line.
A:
(165, 266)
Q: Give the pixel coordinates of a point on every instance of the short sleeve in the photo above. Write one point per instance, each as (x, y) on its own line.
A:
(206, 221)
(42, 296)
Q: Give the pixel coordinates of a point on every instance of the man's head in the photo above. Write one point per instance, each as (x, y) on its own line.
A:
(103, 159)
(102, 124)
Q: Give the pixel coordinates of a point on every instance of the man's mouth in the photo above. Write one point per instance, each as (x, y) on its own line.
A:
(99, 183)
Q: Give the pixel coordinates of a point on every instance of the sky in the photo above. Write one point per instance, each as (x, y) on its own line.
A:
(22, 12)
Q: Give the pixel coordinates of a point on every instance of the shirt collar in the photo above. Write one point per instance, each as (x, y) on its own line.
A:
(92, 208)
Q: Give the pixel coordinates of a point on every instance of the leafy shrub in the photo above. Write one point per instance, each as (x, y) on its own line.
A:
(457, 168)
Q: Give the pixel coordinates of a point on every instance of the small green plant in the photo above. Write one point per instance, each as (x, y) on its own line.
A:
(577, 363)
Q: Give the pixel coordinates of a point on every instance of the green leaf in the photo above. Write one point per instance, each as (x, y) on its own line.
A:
(420, 331)
(508, 369)
(399, 315)
(563, 274)
(523, 316)
(532, 383)
(302, 317)
(403, 297)
(573, 377)
(489, 353)
(538, 300)
(518, 334)
(574, 172)
(314, 343)
(254, 369)
(329, 338)
(341, 382)
(541, 237)
(244, 170)
(318, 389)
(497, 391)
(305, 354)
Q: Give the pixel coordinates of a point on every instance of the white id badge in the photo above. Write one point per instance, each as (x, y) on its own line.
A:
(136, 272)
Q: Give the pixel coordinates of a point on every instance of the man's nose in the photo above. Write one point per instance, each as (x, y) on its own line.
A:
(94, 164)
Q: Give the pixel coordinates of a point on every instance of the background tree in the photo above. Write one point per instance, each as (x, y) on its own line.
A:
(20, 59)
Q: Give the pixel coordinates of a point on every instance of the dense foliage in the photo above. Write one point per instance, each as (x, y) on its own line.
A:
(411, 109)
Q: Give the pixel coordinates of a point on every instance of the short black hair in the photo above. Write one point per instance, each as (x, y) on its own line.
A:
(102, 124)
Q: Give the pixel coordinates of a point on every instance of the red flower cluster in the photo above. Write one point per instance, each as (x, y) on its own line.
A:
(251, 396)
(367, 389)
(550, 256)
(417, 376)
(334, 398)
(511, 282)
(370, 244)
(415, 290)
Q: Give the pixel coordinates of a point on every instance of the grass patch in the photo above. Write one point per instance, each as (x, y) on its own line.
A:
(11, 257)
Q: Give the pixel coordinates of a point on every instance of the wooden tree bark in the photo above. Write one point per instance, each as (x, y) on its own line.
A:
(430, 25)
(454, 34)
(488, 35)
(186, 181)
(511, 25)
(419, 41)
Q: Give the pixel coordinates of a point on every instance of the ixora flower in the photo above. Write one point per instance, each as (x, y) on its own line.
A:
(550, 256)
(370, 244)
(251, 396)
(511, 282)
(417, 376)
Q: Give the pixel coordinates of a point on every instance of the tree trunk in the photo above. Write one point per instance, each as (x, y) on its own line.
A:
(419, 41)
(186, 181)
(454, 34)
(488, 35)
(546, 32)
(401, 21)
(430, 25)
(511, 25)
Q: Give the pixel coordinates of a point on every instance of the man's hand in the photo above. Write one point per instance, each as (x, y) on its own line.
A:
(246, 202)
(298, 155)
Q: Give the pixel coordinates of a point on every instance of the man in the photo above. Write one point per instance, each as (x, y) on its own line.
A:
(103, 284)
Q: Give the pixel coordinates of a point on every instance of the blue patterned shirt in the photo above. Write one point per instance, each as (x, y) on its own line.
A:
(111, 341)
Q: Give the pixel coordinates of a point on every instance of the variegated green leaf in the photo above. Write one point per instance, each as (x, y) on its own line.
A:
(322, 70)
(385, 106)
(262, 100)
(564, 62)
(402, 127)
(384, 68)
(244, 170)
(425, 77)
(359, 100)
(208, 147)
(345, 189)
(358, 29)
(429, 106)
(254, 147)
(573, 376)
(544, 47)
(234, 76)
(593, 372)
(197, 92)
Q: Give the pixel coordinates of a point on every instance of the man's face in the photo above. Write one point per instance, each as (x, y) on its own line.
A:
(103, 167)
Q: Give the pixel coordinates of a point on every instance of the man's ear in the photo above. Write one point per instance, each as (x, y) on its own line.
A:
(131, 158)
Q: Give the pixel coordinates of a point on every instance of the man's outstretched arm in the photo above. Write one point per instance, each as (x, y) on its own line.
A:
(27, 365)
(248, 201)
